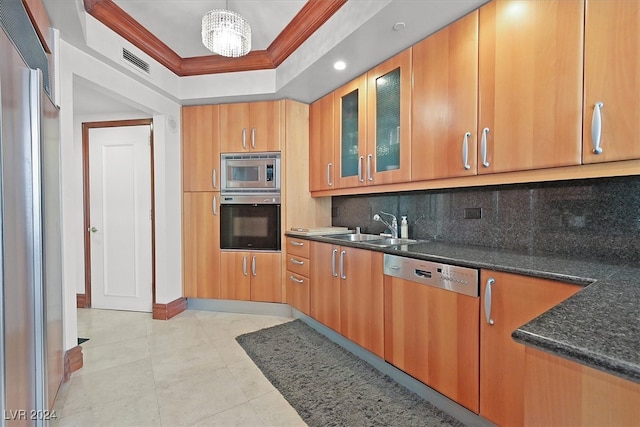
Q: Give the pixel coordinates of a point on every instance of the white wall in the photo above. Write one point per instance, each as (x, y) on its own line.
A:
(75, 64)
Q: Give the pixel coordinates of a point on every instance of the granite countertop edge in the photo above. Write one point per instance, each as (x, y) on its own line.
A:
(556, 331)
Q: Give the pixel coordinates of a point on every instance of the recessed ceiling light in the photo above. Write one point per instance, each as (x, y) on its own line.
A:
(340, 65)
(399, 26)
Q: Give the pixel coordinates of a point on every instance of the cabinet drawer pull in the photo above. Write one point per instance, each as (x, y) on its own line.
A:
(244, 265)
(487, 300)
(483, 147)
(294, 279)
(465, 151)
(329, 166)
(596, 127)
(360, 163)
(253, 138)
(342, 255)
(334, 273)
(297, 261)
(369, 173)
(294, 243)
(244, 138)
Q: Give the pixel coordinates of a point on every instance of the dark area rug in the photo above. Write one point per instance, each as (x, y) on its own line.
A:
(329, 386)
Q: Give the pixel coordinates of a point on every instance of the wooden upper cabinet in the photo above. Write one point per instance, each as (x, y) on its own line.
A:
(350, 125)
(322, 168)
(514, 300)
(388, 155)
(253, 126)
(444, 104)
(530, 93)
(201, 244)
(612, 79)
(200, 148)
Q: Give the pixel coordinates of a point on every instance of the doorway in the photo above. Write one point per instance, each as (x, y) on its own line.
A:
(118, 215)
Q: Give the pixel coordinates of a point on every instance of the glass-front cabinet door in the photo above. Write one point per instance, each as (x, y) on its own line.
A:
(351, 121)
(388, 157)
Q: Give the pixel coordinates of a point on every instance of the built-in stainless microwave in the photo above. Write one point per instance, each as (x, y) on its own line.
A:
(250, 172)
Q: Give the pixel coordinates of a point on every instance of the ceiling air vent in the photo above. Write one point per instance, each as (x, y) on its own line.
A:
(135, 61)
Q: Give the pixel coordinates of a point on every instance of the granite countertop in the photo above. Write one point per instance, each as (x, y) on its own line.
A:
(598, 327)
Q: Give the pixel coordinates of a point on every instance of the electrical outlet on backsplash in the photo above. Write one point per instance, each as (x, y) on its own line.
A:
(587, 218)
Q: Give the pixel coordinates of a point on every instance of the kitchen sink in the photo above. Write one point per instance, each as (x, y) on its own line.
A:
(389, 241)
(373, 239)
(357, 237)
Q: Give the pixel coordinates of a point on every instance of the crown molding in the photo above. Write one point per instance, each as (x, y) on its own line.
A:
(311, 17)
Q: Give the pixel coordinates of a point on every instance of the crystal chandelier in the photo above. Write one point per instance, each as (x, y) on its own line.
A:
(226, 33)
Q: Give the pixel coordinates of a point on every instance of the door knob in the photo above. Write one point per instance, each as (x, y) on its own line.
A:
(92, 229)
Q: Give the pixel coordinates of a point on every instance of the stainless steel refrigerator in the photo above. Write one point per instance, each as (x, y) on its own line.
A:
(31, 342)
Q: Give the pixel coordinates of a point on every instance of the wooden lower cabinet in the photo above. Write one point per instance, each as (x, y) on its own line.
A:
(514, 301)
(347, 293)
(201, 244)
(325, 284)
(362, 298)
(559, 392)
(297, 276)
(250, 276)
(432, 334)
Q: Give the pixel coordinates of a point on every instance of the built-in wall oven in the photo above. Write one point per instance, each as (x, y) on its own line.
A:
(250, 201)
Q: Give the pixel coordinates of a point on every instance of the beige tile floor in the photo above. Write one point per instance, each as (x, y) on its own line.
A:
(185, 371)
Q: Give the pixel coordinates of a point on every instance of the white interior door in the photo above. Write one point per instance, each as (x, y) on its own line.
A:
(120, 213)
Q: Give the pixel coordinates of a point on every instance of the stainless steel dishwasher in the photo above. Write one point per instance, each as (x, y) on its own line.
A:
(432, 329)
(450, 277)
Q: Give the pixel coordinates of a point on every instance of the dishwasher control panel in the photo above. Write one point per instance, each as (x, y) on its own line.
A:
(463, 280)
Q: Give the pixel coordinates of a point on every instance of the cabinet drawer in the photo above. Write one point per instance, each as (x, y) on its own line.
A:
(298, 265)
(299, 247)
(298, 292)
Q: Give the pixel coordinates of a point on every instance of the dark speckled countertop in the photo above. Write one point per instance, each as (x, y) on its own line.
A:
(598, 327)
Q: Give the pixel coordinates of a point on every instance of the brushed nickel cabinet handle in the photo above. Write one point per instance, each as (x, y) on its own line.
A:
(294, 243)
(214, 205)
(360, 162)
(342, 255)
(294, 279)
(596, 127)
(487, 300)
(244, 265)
(329, 167)
(369, 173)
(296, 261)
(244, 138)
(465, 151)
(483, 147)
(334, 273)
(253, 138)
(253, 266)
(214, 181)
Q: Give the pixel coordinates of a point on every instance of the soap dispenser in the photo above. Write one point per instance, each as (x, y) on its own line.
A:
(404, 228)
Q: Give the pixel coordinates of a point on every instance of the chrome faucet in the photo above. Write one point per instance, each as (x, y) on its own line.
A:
(393, 226)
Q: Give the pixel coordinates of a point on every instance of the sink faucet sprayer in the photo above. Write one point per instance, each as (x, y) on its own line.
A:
(393, 226)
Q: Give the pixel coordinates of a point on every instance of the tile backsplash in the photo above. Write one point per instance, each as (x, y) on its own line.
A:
(586, 218)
